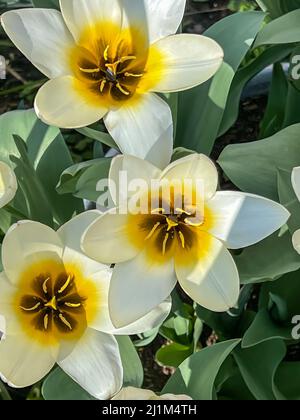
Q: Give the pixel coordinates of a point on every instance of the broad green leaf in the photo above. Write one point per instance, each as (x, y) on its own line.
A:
(276, 8)
(48, 154)
(196, 375)
(258, 366)
(268, 260)
(287, 288)
(173, 354)
(283, 30)
(242, 77)
(133, 369)
(201, 109)
(103, 138)
(81, 179)
(287, 381)
(59, 386)
(264, 329)
(47, 4)
(252, 167)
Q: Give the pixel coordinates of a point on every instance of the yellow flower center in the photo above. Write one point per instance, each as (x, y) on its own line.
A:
(54, 303)
(110, 63)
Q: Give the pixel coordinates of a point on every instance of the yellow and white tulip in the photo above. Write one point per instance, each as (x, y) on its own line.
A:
(105, 58)
(134, 394)
(152, 251)
(8, 184)
(55, 303)
(296, 186)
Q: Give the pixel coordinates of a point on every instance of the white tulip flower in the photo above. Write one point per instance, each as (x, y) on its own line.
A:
(8, 184)
(105, 58)
(55, 303)
(174, 242)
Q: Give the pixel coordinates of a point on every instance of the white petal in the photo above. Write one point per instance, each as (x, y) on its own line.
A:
(107, 239)
(134, 394)
(132, 169)
(22, 362)
(28, 241)
(8, 184)
(58, 103)
(43, 38)
(188, 60)
(296, 241)
(164, 17)
(242, 220)
(147, 323)
(211, 278)
(143, 129)
(138, 286)
(195, 168)
(95, 364)
(296, 181)
(71, 232)
(79, 14)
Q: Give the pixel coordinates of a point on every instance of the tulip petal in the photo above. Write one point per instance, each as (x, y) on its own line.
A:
(8, 184)
(22, 362)
(95, 364)
(80, 14)
(296, 241)
(28, 241)
(241, 220)
(164, 17)
(195, 168)
(211, 279)
(42, 36)
(296, 181)
(143, 128)
(132, 169)
(188, 61)
(59, 104)
(138, 286)
(107, 239)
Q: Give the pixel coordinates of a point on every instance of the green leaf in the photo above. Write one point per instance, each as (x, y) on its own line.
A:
(47, 4)
(48, 155)
(201, 109)
(58, 386)
(283, 30)
(253, 167)
(267, 57)
(81, 179)
(264, 329)
(196, 375)
(287, 381)
(103, 138)
(277, 8)
(133, 369)
(258, 366)
(173, 354)
(260, 262)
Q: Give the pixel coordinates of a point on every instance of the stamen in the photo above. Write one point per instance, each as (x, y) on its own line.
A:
(181, 211)
(46, 321)
(133, 75)
(190, 222)
(64, 287)
(171, 224)
(89, 71)
(31, 309)
(65, 321)
(45, 289)
(165, 243)
(127, 58)
(158, 211)
(72, 305)
(152, 231)
(105, 55)
(182, 239)
(52, 304)
(102, 86)
(121, 89)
